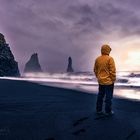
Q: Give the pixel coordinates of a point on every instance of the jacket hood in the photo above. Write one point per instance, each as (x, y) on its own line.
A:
(105, 49)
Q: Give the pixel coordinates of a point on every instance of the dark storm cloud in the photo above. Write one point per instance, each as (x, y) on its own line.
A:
(84, 17)
(56, 29)
(104, 17)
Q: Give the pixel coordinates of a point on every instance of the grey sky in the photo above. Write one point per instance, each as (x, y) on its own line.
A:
(56, 29)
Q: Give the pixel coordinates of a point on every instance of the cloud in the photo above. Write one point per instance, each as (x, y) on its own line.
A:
(59, 29)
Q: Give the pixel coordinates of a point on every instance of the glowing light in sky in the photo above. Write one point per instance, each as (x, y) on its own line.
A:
(126, 52)
(134, 58)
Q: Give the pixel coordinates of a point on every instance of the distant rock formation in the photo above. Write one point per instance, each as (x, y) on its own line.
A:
(33, 64)
(8, 65)
(69, 68)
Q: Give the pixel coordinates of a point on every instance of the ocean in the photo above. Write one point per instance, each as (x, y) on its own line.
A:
(83, 78)
(127, 84)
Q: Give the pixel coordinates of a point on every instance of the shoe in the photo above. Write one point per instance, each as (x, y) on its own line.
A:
(109, 113)
(99, 112)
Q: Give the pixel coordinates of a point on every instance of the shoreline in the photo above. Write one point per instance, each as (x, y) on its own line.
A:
(127, 92)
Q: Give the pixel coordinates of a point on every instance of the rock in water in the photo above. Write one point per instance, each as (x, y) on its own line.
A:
(8, 65)
(33, 64)
(69, 68)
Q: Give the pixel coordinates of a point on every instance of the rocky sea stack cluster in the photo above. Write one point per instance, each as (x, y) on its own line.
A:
(69, 68)
(8, 65)
(33, 64)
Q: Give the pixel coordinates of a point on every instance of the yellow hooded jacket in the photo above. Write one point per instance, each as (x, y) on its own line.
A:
(104, 67)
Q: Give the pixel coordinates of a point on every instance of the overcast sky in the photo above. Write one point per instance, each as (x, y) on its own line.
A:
(57, 29)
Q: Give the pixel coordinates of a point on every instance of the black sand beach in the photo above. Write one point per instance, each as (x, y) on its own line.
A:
(29, 111)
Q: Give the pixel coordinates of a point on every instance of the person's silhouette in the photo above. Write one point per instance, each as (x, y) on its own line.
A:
(105, 72)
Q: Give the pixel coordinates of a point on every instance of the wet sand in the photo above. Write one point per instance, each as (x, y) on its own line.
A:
(29, 111)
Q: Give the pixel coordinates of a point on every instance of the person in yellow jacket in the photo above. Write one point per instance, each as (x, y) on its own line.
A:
(105, 71)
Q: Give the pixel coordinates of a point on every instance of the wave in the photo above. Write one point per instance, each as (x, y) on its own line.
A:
(126, 85)
(123, 78)
(78, 78)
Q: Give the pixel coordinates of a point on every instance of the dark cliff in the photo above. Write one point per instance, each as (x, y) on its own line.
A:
(8, 65)
(70, 68)
(33, 64)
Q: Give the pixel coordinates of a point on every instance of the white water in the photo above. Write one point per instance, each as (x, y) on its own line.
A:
(127, 84)
(84, 78)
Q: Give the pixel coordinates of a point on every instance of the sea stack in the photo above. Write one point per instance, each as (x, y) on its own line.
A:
(8, 65)
(33, 64)
(69, 68)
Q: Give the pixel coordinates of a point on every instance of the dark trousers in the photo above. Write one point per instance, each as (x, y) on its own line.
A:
(105, 91)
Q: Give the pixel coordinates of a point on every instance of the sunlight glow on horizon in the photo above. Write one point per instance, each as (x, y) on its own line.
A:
(133, 58)
(126, 52)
